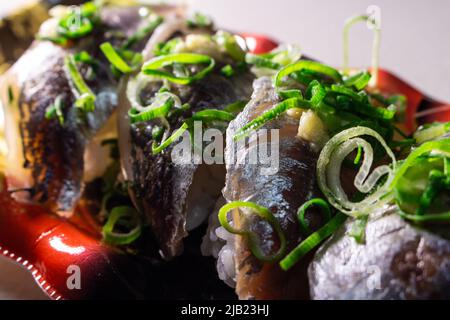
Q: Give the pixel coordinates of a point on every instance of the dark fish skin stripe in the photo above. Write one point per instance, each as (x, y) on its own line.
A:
(161, 187)
(52, 152)
(282, 193)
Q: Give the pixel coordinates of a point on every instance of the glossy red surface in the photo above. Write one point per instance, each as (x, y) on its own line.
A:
(48, 245)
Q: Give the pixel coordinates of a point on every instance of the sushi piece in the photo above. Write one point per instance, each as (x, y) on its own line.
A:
(282, 191)
(397, 261)
(176, 197)
(53, 135)
(406, 249)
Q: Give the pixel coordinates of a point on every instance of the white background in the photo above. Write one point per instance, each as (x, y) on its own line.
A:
(415, 45)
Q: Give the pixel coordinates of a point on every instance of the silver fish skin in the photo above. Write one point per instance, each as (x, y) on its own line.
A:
(398, 261)
(45, 157)
(161, 188)
(282, 193)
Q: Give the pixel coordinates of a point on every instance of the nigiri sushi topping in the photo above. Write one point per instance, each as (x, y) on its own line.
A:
(154, 67)
(252, 238)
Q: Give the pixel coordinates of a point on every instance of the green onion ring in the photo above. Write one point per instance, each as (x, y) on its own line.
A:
(329, 166)
(306, 65)
(430, 133)
(152, 67)
(115, 238)
(359, 80)
(312, 241)
(252, 238)
(441, 147)
(151, 112)
(55, 110)
(163, 145)
(325, 209)
(437, 217)
(213, 114)
(114, 58)
(375, 45)
(85, 97)
(437, 145)
(262, 61)
(273, 113)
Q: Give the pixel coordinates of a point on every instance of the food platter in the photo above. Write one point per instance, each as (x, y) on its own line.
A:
(58, 242)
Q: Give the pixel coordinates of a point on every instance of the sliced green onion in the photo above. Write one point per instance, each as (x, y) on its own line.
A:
(317, 93)
(307, 65)
(152, 67)
(213, 115)
(358, 155)
(414, 157)
(227, 71)
(143, 32)
(235, 107)
(273, 113)
(358, 229)
(85, 97)
(262, 61)
(375, 46)
(436, 183)
(115, 238)
(159, 108)
(10, 95)
(55, 110)
(58, 40)
(166, 47)
(85, 57)
(322, 204)
(251, 237)
(437, 217)
(431, 131)
(291, 93)
(312, 241)
(329, 168)
(228, 42)
(114, 58)
(362, 107)
(359, 80)
(273, 60)
(420, 179)
(163, 145)
(199, 20)
(79, 22)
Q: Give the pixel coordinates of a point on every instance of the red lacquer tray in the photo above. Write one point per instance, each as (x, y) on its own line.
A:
(49, 247)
